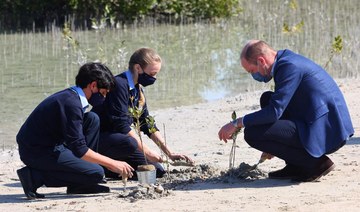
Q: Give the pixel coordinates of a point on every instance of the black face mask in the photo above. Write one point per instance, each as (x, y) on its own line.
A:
(96, 99)
(145, 79)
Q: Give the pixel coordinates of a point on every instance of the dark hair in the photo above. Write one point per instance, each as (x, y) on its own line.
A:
(143, 57)
(90, 72)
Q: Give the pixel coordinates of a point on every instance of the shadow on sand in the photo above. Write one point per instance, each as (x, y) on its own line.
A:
(21, 198)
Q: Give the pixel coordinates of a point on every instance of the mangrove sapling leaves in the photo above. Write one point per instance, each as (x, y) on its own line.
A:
(234, 145)
(336, 48)
(151, 123)
(233, 115)
(136, 113)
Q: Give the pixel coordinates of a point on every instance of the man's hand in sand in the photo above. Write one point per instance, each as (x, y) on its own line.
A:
(175, 157)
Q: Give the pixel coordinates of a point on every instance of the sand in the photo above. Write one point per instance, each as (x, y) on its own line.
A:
(193, 130)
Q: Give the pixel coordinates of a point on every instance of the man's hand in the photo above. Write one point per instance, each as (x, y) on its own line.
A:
(119, 167)
(122, 168)
(228, 130)
(175, 157)
(266, 156)
(153, 156)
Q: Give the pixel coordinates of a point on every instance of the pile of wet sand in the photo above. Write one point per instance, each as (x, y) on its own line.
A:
(180, 178)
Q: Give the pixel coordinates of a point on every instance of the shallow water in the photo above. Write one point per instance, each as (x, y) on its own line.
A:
(201, 61)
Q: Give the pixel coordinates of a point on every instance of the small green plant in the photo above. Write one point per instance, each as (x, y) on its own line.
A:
(67, 34)
(336, 48)
(293, 4)
(234, 145)
(297, 28)
(136, 113)
(72, 47)
(167, 157)
(150, 121)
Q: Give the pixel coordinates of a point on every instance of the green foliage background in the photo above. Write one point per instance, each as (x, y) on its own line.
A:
(18, 15)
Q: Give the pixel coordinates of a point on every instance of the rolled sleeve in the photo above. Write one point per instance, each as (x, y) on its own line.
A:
(73, 130)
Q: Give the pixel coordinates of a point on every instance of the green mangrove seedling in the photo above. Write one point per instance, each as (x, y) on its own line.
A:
(151, 123)
(336, 48)
(135, 113)
(234, 145)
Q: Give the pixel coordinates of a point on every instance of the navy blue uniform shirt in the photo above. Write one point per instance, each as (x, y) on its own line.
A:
(114, 113)
(56, 120)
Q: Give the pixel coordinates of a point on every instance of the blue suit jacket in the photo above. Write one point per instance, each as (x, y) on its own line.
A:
(313, 100)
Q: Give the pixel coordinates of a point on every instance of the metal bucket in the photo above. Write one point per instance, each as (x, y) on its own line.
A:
(146, 177)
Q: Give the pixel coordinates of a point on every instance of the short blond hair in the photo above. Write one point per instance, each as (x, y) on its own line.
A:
(144, 57)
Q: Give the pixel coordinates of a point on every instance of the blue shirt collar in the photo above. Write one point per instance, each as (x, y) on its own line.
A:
(130, 80)
(81, 94)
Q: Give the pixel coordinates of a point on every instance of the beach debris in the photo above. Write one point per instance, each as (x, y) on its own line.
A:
(145, 192)
(159, 189)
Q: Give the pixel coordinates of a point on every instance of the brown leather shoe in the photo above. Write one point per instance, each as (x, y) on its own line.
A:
(323, 168)
(288, 172)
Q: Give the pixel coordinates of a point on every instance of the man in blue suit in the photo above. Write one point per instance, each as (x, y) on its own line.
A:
(304, 119)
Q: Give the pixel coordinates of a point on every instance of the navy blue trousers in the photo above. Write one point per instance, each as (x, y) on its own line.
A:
(124, 148)
(61, 167)
(280, 139)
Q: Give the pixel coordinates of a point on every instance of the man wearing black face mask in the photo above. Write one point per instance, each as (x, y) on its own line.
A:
(304, 119)
(96, 99)
(116, 131)
(58, 141)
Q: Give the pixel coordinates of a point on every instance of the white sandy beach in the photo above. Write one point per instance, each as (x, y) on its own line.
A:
(193, 130)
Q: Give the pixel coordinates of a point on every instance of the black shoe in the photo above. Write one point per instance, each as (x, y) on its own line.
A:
(27, 184)
(323, 168)
(87, 189)
(288, 172)
(103, 181)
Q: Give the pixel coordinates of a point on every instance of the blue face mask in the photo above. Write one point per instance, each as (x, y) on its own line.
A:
(260, 78)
